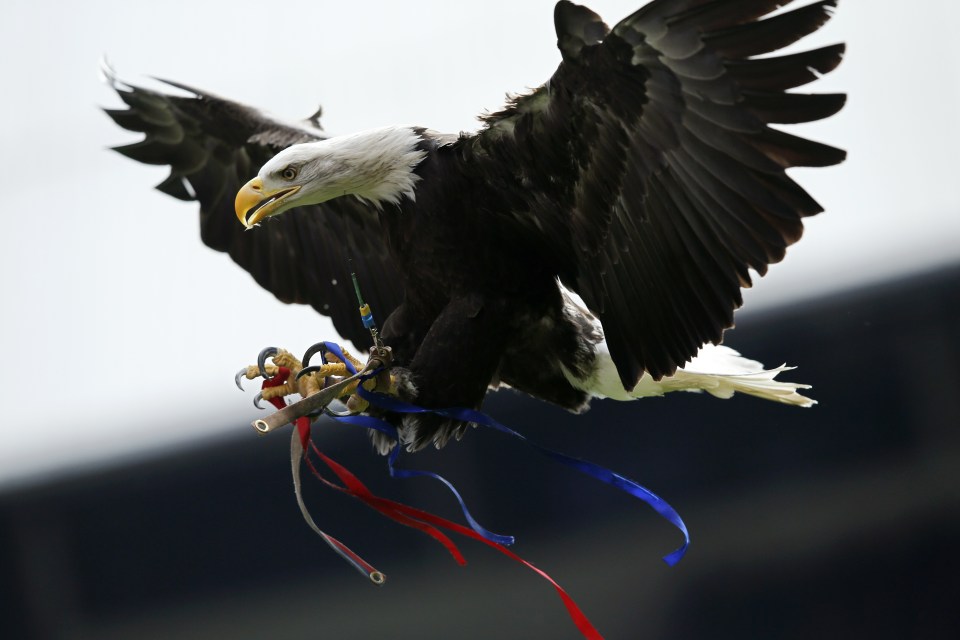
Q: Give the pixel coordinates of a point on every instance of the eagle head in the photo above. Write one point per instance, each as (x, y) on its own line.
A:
(376, 166)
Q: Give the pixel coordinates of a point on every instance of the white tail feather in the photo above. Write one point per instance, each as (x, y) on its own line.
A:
(718, 370)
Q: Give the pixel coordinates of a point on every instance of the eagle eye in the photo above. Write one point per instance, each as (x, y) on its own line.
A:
(288, 173)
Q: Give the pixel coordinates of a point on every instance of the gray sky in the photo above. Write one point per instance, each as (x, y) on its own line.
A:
(117, 316)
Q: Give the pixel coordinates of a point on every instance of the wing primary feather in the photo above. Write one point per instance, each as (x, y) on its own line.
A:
(793, 108)
(658, 16)
(149, 108)
(150, 152)
(184, 87)
(728, 117)
(793, 151)
(129, 120)
(786, 72)
(723, 206)
(765, 36)
(710, 16)
(800, 202)
(731, 144)
(735, 178)
(175, 186)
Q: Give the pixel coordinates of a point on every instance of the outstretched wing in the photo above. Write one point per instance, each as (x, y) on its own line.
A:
(654, 138)
(213, 146)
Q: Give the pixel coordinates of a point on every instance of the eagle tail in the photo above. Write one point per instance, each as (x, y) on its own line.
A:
(721, 372)
(717, 370)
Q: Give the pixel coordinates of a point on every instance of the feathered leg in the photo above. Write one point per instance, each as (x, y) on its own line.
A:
(453, 366)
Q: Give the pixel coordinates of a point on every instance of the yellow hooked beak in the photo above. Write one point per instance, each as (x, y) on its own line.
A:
(264, 203)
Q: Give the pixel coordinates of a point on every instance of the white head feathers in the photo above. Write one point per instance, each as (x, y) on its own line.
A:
(376, 166)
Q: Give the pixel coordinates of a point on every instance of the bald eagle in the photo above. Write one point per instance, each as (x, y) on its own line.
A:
(590, 240)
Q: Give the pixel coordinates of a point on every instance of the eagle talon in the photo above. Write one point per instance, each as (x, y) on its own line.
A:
(281, 360)
(240, 374)
(319, 347)
(269, 352)
(308, 370)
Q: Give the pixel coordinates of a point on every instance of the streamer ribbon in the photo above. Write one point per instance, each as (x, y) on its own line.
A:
(591, 469)
(301, 446)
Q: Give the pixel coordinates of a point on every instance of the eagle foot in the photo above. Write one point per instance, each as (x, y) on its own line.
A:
(306, 379)
(281, 359)
(380, 358)
(310, 379)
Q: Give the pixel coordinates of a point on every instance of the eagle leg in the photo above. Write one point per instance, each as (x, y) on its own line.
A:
(453, 366)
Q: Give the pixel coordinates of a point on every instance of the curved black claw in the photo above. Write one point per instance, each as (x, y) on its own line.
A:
(240, 376)
(269, 352)
(320, 348)
(256, 401)
(307, 371)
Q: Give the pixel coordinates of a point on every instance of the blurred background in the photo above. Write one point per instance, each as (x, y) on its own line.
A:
(135, 500)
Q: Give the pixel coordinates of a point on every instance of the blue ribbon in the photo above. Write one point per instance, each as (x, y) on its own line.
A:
(370, 422)
(469, 415)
